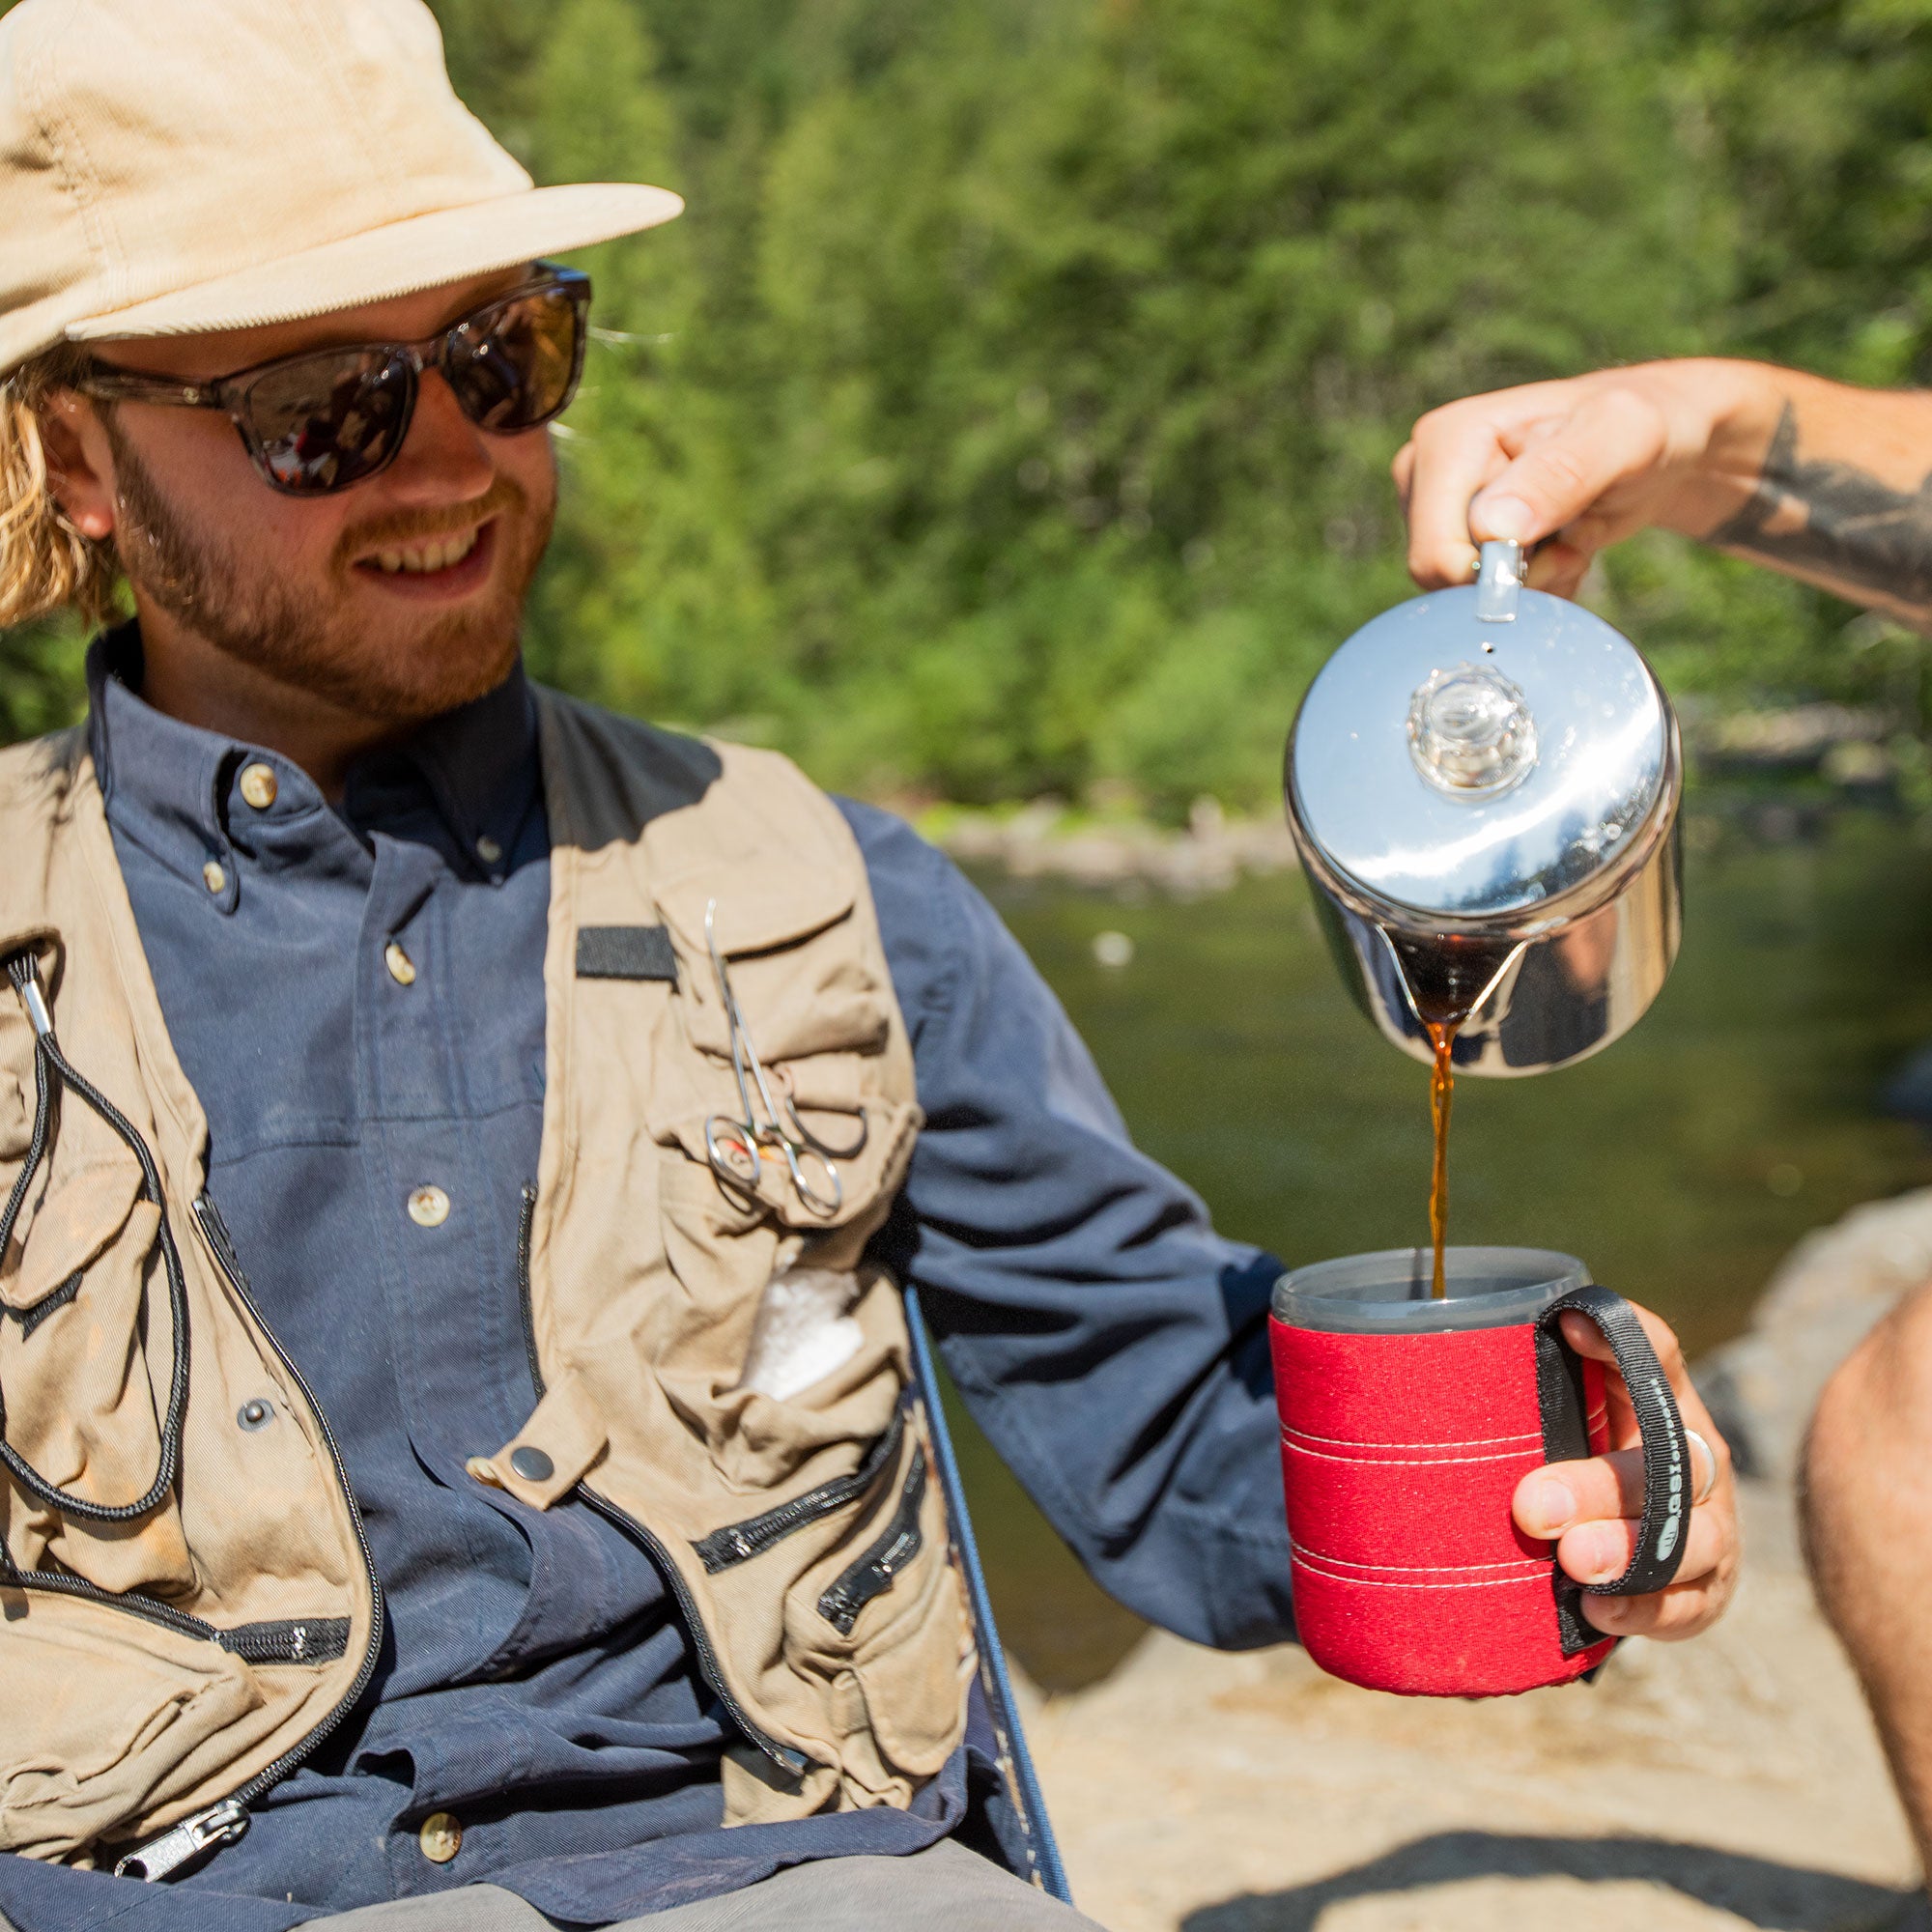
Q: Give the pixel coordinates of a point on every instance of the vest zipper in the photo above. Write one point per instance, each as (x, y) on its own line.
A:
(59, 1583)
(284, 1641)
(214, 1231)
(793, 1763)
(737, 1542)
(873, 1574)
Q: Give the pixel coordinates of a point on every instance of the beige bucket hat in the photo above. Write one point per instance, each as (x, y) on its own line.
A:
(168, 166)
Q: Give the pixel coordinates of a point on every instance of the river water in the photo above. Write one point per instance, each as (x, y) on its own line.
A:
(1681, 1164)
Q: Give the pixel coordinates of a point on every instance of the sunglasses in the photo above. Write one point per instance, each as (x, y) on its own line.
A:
(320, 421)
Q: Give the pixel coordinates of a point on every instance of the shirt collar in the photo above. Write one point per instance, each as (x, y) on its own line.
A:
(171, 784)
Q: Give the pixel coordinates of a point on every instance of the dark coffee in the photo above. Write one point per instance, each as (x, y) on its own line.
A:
(1441, 1091)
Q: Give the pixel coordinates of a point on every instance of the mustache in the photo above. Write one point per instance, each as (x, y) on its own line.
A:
(402, 527)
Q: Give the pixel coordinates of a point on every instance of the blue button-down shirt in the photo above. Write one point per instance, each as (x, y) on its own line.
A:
(356, 995)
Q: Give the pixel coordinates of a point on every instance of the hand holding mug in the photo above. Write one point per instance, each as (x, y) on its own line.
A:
(1486, 1489)
(1590, 1509)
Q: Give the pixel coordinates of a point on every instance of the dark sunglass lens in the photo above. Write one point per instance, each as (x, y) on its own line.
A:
(517, 366)
(325, 421)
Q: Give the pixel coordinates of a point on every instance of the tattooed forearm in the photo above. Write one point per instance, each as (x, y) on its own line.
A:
(1832, 520)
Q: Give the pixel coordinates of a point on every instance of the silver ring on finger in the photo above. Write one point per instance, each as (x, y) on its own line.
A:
(1711, 1460)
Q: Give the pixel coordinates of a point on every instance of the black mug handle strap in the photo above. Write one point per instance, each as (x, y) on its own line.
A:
(1666, 1448)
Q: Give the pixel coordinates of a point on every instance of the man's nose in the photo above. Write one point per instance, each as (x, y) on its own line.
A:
(445, 458)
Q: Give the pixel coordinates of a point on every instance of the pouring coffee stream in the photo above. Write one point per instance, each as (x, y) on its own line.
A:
(1483, 784)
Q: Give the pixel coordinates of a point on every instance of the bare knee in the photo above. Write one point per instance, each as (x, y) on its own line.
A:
(1868, 1467)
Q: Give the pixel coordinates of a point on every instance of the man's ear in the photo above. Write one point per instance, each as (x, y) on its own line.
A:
(80, 463)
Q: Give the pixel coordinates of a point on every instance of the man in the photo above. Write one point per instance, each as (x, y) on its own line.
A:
(461, 1466)
(1829, 484)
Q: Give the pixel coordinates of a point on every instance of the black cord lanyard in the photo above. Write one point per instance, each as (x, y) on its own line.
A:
(52, 1072)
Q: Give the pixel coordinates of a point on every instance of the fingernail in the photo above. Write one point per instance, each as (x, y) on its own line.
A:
(1592, 1558)
(1554, 1505)
(1502, 517)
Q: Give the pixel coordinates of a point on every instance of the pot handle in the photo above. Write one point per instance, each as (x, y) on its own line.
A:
(1498, 580)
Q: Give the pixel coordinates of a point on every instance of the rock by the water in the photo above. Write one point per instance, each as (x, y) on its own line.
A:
(1824, 1298)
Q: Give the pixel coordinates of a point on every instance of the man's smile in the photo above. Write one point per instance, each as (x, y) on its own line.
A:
(449, 565)
(438, 554)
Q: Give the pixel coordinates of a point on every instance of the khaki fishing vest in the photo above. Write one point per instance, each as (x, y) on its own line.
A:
(158, 1660)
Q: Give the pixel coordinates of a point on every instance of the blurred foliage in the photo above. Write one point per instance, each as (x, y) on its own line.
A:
(1012, 411)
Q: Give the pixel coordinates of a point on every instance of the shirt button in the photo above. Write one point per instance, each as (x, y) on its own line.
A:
(402, 968)
(258, 786)
(429, 1206)
(488, 850)
(440, 1837)
(214, 877)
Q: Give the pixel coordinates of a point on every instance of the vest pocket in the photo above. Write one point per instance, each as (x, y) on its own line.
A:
(853, 1588)
(885, 1623)
(85, 1323)
(738, 1542)
(124, 1714)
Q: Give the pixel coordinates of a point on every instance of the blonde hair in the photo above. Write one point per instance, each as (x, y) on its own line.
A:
(45, 564)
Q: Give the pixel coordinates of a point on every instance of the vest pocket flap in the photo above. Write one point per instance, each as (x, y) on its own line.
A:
(764, 905)
(66, 1231)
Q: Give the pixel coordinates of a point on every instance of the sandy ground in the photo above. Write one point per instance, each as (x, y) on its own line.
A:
(1732, 1781)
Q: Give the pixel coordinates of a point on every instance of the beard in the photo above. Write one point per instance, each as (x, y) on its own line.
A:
(312, 639)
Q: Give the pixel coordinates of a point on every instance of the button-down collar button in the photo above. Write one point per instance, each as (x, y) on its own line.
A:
(488, 850)
(532, 1464)
(440, 1837)
(258, 785)
(402, 968)
(429, 1206)
(215, 877)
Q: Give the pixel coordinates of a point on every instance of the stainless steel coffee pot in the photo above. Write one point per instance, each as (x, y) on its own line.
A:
(1483, 784)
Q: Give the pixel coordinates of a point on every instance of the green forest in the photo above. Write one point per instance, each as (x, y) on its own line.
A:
(1012, 412)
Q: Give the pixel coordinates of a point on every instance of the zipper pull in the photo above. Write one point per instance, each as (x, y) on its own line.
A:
(219, 1825)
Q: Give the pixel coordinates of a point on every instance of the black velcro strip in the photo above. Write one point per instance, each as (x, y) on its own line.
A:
(625, 952)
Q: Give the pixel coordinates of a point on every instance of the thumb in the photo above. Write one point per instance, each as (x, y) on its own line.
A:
(1611, 438)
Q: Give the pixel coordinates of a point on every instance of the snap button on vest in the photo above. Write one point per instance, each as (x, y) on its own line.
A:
(440, 1837)
(429, 1206)
(532, 1464)
(258, 786)
(256, 1413)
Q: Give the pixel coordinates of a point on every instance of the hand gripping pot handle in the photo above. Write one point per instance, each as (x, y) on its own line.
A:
(1667, 1449)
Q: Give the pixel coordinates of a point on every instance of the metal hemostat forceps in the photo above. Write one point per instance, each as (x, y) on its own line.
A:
(733, 1146)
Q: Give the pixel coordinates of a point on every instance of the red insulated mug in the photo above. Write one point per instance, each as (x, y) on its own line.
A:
(1406, 1423)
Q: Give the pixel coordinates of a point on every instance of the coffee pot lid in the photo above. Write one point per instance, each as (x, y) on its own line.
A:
(1476, 751)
